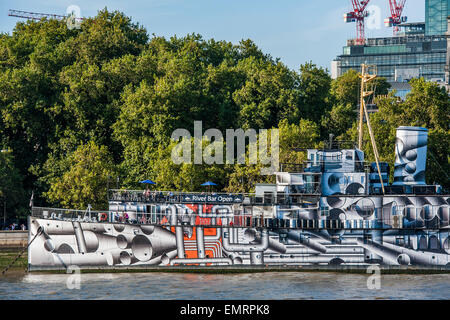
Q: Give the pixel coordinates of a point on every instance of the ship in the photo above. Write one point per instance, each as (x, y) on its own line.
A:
(334, 211)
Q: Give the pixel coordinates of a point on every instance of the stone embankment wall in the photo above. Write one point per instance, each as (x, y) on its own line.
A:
(13, 238)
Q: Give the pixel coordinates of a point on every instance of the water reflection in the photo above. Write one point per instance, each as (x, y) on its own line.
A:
(271, 285)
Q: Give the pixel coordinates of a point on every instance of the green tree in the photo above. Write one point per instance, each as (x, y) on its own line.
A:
(220, 84)
(427, 105)
(304, 135)
(314, 87)
(339, 119)
(84, 178)
(59, 87)
(11, 188)
(438, 157)
(243, 178)
(270, 93)
(345, 89)
(104, 99)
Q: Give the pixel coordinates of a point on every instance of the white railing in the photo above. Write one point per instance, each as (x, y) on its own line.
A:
(235, 219)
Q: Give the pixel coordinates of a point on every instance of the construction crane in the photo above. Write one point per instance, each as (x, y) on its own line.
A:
(38, 16)
(358, 15)
(396, 15)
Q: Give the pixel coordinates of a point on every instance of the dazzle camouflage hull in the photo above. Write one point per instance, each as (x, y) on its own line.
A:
(332, 213)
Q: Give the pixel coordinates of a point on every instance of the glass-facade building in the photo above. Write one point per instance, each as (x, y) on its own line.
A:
(436, 12)
(419, 50)
(398, 58)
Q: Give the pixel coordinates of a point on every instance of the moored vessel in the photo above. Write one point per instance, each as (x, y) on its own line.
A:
(336, 210)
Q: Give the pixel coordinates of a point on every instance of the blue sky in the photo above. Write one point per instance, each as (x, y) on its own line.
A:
(294, 31)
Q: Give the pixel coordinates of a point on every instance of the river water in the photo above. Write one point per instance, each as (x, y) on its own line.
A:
(188, 286)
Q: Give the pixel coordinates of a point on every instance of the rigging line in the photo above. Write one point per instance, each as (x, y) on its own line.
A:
(374, 92)
(39, 232)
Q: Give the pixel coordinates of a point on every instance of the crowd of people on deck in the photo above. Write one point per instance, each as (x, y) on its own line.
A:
(146, 195)
(15, 226)
(125, 218)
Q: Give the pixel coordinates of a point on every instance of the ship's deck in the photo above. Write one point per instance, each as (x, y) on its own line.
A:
(233, 220)
(212, 198)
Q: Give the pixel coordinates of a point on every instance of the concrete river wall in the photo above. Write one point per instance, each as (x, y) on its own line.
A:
(13, 238)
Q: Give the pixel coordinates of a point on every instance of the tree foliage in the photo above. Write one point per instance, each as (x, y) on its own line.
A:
(427, 105)
(84, 178)
(345, 89)
(11, 190)
(79, 106)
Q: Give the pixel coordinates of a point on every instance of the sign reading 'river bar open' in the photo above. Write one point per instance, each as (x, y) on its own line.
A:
(218, 198)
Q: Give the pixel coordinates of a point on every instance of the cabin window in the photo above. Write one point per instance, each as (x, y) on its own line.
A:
(334, 180)
(324, 211)
(400, 241)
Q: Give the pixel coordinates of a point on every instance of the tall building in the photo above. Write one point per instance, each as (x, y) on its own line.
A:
(419, 50)
(436, 12)
(447, 65)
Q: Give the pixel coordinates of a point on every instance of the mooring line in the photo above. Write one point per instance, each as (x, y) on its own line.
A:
(39, 231)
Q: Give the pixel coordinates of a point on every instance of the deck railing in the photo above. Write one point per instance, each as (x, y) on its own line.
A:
(144, 196)
(174, 196)
(236, 219)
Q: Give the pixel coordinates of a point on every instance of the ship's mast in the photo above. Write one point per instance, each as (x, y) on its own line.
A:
(368, 74)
